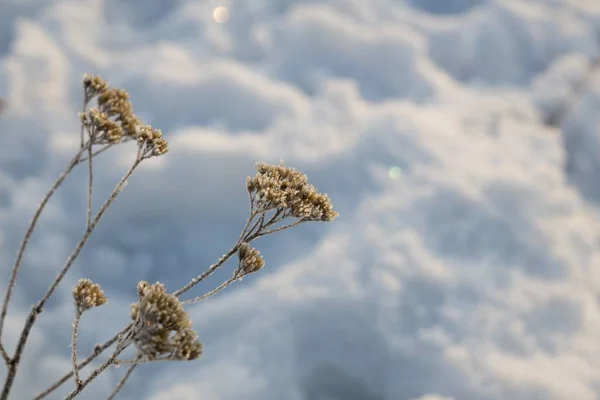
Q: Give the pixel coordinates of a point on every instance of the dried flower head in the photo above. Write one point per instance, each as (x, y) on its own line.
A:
(87, 295)
(187, 345)
(103, 130)
(157, 306)
(153, 342)
(129, 123)
(152, 141)
(93, 86)
(162, 327)
(114, 120)
(250, 259)
(114, 102)
(285, 189)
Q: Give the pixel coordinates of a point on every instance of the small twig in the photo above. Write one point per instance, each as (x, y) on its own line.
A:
(97, 351)
(88, 232)
(74, 346)
(36, 309)
(94, 154)
(4, 354)
(264, 233)
(139, 361)
(206, 273)
(122, 382)
(95, 373)
(251, 216)
(28, 233)
(90, 184)
(12, 366)
(214, 291)
(85, 103)
(257, 226)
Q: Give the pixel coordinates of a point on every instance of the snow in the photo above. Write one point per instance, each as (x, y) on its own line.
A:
(464, 262)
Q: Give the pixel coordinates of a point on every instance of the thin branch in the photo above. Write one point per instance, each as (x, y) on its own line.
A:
(122, 382)
(88, 232)
(94, 154)
(28, 233)
(264, 233)
(206, 273)
(37, 309)
(95, 373)
(139, 361)
(4, 354)
(97, 351)
(12, 366)
(85, 103)
(251, 216)
(74, 346)
(90, 185)
(257, 226)
(214, 291)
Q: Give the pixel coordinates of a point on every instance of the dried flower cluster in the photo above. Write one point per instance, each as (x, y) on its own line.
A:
(250, 259)
(152, 141)
(162, 327)
(93, 86)
(114, 121)
(104, 129)
(87, 295)
(276, 187)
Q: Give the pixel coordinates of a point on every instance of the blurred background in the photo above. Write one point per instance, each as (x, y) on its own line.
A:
(458, 140)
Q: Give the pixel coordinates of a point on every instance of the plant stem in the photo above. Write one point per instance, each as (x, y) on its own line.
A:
(94, 374)
(206, 273)
(88, 220)
(37, 308)
(214, 291)
(122, 382)
(28, 233)
(97, 351)
(74, 346)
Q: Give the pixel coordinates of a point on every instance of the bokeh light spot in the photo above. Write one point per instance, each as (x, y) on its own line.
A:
(395, 172)
(221, 14)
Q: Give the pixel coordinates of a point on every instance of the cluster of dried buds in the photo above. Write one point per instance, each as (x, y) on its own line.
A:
(113, 120)
(87, 295)
(162, 329)
(250, 260)
(275, 187)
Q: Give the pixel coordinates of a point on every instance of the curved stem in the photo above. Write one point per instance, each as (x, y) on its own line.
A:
(95, 373)
(29, 232)
(212, 292)
(37, 308)
(97, 351)
(206, 273)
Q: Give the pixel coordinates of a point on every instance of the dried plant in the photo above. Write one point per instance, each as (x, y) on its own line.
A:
(279, 198)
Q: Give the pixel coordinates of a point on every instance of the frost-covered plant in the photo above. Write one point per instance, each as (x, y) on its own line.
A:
(160, 329)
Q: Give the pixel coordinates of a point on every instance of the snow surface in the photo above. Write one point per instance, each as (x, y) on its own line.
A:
(465, 262)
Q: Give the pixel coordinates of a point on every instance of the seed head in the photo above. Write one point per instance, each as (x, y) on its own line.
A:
(285, 189)
(156, 306)
(103, 129)
(114, 101)
(152, 141)
(187, 345)
(93, 86)
(250, 259)
(162, 327)
(87, 295)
